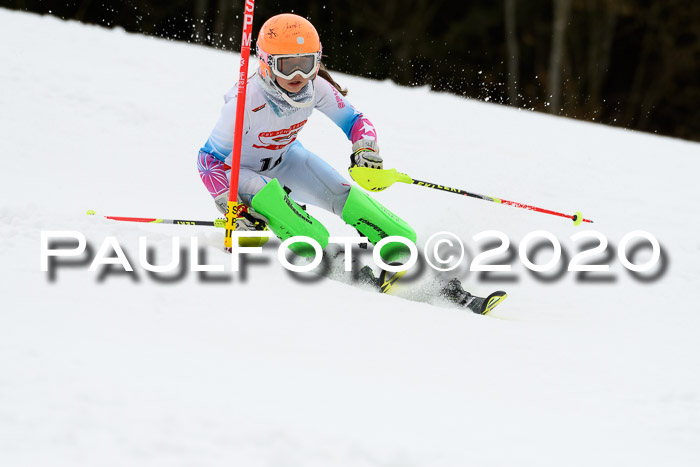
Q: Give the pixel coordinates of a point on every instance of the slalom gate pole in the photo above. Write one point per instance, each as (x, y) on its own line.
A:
(381, 179)
(232, 212)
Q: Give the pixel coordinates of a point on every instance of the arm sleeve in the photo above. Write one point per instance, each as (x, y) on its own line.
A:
(220, 141)
(336, 107)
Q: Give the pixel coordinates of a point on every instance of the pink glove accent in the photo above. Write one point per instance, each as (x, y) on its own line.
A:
(363, 129)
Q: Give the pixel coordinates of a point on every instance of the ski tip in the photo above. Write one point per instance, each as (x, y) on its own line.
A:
(387, 279)
(493, 300)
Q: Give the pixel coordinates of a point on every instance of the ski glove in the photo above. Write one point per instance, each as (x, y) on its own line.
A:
(247, 218)
(365, 153)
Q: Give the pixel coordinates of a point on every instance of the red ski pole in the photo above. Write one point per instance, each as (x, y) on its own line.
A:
(381, 179)
(153, 220)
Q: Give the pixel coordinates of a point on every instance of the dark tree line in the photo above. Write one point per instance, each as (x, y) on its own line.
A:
(630, 63)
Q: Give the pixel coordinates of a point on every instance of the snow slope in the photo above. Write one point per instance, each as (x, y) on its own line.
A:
(269, 370)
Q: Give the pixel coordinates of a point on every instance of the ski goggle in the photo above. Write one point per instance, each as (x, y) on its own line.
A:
(287, 66)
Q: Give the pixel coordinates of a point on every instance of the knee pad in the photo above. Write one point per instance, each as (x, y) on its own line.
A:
(376, 222)
(288, 219)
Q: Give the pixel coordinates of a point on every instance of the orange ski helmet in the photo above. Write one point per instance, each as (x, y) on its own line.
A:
(288, 45)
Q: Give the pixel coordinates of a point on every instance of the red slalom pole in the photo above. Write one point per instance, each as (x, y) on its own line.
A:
(232, 212)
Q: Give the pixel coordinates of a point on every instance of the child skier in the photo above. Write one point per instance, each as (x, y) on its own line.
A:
(276, 171)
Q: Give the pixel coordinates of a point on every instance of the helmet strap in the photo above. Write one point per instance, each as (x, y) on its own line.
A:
(299, 105)
(271, 86)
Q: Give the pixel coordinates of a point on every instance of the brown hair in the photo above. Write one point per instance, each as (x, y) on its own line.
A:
(323, 73)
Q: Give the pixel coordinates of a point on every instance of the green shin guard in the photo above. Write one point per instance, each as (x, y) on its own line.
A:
(376, 222)
(287, 219)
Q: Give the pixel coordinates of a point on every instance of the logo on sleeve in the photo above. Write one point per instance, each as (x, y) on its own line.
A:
(274, 140)
(338, 99)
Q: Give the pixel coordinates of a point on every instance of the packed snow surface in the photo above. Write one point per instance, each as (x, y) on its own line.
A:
(271, 368)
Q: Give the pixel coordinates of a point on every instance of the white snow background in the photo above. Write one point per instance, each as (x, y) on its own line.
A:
(127, 370)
